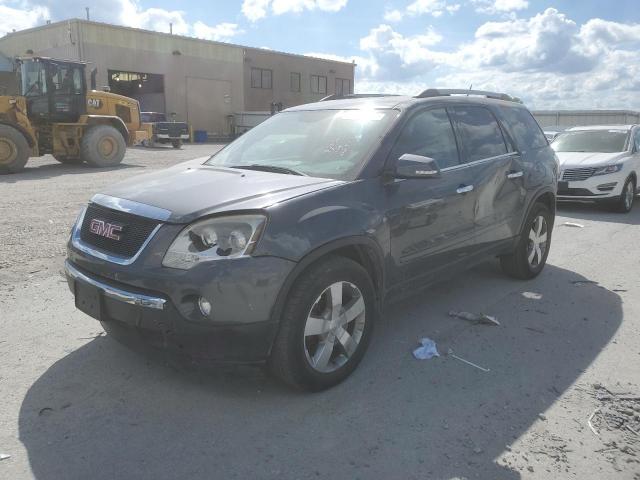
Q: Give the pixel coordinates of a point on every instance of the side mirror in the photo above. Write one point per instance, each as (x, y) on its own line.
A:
(416, 166)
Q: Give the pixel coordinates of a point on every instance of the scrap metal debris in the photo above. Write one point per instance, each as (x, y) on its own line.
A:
(476, 318)
(4, 456)
(451, 354)
(573, 224)
(427, 350)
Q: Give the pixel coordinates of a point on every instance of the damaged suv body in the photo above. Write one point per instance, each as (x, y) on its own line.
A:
(283, 246)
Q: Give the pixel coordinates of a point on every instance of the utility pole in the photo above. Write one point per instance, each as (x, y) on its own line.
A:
(171, 28)
(87, 9)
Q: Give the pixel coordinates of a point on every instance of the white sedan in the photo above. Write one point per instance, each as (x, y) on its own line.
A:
(599, 163)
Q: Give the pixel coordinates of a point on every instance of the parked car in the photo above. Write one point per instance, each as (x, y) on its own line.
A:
(162, 131)
(283, 246)
(599, 163)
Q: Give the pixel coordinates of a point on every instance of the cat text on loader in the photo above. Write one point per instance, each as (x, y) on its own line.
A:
(55, 113)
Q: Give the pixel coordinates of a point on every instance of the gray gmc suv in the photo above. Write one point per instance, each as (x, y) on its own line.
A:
(283, 247)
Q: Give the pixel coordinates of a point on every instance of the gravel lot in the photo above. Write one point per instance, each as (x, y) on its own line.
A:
(76, 405)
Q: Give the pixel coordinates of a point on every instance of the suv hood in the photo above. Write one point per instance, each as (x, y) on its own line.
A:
(588, 159)
(191, 190)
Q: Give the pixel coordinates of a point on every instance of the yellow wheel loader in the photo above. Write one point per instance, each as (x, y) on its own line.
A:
(55, 113)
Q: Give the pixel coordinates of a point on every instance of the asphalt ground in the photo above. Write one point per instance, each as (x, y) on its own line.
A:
(75, 404)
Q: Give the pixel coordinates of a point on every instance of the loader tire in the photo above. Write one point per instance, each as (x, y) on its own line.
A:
(14, 150)
(102, 146)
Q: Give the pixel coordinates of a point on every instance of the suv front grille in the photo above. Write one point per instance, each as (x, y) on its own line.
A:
(577, 174)
(132, 231)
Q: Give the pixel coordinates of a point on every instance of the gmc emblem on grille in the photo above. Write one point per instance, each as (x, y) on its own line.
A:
(105, 229)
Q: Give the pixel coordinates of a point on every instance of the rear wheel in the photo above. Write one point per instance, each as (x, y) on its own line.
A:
(530, 255)
(624, 204)
(326, 325)
(68, 160)
(102, 146)
(14, 150)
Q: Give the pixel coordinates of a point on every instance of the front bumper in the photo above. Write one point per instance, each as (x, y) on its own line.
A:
(594, 188)
(166, 136)
(147, 307)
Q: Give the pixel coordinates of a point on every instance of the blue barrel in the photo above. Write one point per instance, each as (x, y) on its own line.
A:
(200, 136)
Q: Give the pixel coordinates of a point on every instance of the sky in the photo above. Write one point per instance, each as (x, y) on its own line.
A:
(552, 54)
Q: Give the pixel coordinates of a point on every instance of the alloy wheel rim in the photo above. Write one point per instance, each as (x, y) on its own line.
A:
(537, 244)
(628, 195)
(334, 327)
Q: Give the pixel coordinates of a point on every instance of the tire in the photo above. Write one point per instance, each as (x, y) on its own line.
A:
(624, 204)
(297, 355)
(527, 261)
(14, 150)
(102, 146)
(176, 144)
(68, 160)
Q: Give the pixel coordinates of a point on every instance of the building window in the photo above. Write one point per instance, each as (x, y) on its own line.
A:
(318, 84)
(261, 78)
(343, 86)
(295, 82)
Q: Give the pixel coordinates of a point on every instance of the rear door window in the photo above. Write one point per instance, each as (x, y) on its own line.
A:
(524, 128)
(480, 133)
(430, 134)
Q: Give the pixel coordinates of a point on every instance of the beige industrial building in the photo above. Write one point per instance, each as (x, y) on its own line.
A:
(203, 82)
(574, 118)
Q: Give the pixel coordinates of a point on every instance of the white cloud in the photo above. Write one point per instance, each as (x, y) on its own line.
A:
(548, 60)
(222, 31)
(256, 9)
(393, 15)
(493, 7)
(431, 7)
(21, 18)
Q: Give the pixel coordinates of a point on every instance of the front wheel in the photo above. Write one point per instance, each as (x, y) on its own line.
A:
(102, 146)
(625, 203)
(176, 143)
(14, 150)
(530, 255)
(326, 325)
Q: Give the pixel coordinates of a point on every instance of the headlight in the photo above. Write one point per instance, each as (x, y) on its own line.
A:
(608, 169)
(214, 239)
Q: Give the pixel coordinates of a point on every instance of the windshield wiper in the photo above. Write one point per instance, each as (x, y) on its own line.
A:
(270, 168)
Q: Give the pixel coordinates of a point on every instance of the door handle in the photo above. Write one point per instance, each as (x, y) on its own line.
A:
(464, 188)
(513, 175)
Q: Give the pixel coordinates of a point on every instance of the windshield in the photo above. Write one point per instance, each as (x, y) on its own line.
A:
(34, 82)
(605, 141)
(320, 143)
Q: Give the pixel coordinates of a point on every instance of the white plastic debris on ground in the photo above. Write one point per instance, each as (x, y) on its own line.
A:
(427, 350)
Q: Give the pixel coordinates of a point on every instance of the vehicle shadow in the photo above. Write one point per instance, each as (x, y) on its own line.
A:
(50, 170)
(105, 412)
(587, 211)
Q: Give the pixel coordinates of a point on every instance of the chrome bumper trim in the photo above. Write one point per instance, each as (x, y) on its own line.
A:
(115, 293)
(129, 206)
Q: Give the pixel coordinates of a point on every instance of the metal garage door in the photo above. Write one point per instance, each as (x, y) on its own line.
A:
(209, 104)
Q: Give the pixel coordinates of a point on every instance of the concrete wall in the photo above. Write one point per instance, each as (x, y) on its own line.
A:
(574, 118)
(282, 66)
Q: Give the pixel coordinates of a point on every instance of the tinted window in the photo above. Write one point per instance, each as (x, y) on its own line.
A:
(524, 128)
(637, 140)
(429, 134)
(480, 132)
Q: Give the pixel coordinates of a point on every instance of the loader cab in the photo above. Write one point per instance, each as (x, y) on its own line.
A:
(55, 90)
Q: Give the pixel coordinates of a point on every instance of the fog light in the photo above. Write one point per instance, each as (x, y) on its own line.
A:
(205, 306)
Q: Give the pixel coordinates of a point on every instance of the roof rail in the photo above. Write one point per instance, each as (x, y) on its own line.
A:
(434, 92)
(336, 96)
